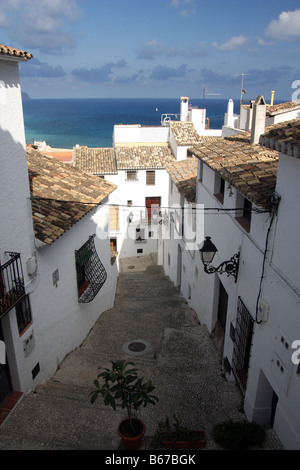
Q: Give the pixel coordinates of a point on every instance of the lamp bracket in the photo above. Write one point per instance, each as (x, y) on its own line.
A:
(230, 267)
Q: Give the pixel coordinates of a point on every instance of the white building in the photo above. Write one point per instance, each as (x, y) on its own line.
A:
(54, 239)
(137, 165)
(252, 313)
(275, 114)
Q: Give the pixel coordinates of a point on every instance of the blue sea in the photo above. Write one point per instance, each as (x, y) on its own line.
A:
(63, 123)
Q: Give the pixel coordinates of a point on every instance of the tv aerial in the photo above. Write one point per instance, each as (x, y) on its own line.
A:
(206, 91)
(243, 91)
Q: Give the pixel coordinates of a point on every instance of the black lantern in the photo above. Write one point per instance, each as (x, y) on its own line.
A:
(207, 253)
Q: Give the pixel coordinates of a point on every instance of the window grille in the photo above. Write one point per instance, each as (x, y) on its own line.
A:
(12, 288)
(91, 274)
(23, 314)
(242, 345)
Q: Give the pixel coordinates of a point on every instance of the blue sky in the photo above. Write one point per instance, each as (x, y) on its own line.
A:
(155, 49)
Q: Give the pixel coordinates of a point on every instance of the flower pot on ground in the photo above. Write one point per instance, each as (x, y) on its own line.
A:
(177, 436)
(121, 384)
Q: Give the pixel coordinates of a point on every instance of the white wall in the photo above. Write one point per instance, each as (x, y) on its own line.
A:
(136, 191)
(140, 134)
(15, 206)
(16, 231)
(272, 368)
(60, 322)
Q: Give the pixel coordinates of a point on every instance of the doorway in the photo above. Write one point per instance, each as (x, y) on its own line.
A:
(152, 208)
(218, 333)
(5, 382)
(179, 267)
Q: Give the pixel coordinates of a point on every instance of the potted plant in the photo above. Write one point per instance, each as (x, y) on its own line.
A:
(121, 384)
(177, 436)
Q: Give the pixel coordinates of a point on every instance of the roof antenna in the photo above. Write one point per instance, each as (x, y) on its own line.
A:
(243, 91)
(206, 91)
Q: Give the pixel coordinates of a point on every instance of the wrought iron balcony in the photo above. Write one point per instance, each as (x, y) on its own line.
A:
(12, 288)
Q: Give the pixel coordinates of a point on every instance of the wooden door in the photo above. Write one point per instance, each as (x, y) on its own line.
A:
(152, 207)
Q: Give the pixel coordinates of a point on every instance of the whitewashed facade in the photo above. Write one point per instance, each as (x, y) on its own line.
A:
(41, 318)
(253, 319)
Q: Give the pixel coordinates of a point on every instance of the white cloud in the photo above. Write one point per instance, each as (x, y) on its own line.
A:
(232, 43)
(40, 24)
(186, 7)
(286, 27)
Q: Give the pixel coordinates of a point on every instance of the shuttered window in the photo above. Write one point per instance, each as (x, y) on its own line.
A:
(114, 218)
(150, 177)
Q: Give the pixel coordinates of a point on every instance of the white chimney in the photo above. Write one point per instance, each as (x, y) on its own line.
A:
(259, 119)
(184, 108)
(229, 116)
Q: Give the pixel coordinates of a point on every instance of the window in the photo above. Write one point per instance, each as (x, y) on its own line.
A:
(131, 175)
(114, 218)
(113, 250)
(219, 189)
(150, 178)
(244, 212)
(200, 171)
(23, 314)
(91, 274)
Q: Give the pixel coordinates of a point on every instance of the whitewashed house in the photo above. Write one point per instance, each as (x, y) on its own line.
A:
(75, 278)
(273, 386)
(139, 173)
(137, 165)
(17, 248)
(275, 114)
(177, 242)
(53, 237)
(248, 295)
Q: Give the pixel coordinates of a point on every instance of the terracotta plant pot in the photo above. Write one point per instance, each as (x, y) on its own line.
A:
(130, 441)
(198, 443)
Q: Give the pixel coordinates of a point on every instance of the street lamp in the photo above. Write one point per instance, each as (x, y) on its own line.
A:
(207, 253)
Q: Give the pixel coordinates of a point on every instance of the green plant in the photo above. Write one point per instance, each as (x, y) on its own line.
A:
(121, 384)
(239, 435)
(173, 432)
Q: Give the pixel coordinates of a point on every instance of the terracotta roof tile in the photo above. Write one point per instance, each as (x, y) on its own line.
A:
(139, 157)
(12, 52)
(282, 107)
(283, 137)
(184, 175)
(100, 161)
(251, 169)
(61, 195)
(185, 133)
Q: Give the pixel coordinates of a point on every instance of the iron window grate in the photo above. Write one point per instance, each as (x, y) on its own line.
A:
(91, 274)
(242, 345)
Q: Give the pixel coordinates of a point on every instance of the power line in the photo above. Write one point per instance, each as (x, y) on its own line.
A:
(217, 209)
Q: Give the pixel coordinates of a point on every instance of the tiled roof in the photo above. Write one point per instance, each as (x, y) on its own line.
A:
(283, 107)
(251, 169)
(185, 133)
(63, 191)
(12, 52)
(184, 175)
(100, 161)
(139, 157)
(279, 108)
(283, 137)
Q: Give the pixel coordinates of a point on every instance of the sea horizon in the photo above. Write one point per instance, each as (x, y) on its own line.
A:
(66, 122)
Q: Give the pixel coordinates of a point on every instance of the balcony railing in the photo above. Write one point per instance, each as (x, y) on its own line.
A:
(12, 287)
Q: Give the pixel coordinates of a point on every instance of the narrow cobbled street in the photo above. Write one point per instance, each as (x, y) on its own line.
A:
(154, 327)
